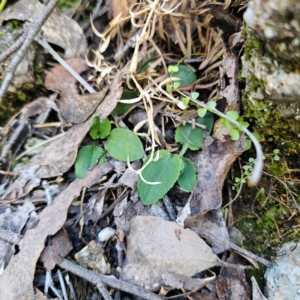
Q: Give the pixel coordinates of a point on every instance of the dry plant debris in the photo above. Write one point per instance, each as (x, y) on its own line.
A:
(132, 78)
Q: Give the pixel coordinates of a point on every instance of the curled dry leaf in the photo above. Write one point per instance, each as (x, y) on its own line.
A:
(72, 39)
(16, 280)
(156, 246)
(54, 253)
(73, 107)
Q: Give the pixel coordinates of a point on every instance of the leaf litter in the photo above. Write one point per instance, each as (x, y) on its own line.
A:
(158, 252)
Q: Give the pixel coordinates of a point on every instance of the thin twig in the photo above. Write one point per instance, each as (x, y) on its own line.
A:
(107, 280)
(33, 30)
(103, 290)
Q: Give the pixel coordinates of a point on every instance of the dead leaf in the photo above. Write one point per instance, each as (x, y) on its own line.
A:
(153, 248)
(60, 154)
(55, 253)
(16, 280)
(73, 107)
(231, 283)
(184, 282)
(213, 164)
(72, 40)
(212, 228)
(121, 7)
(12, 221)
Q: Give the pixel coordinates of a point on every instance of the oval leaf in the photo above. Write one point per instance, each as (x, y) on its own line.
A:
(100, 130)
(124, 143)
(165, 170)
(186, 75)
(187, 178)
(86, 158)
(193, 137)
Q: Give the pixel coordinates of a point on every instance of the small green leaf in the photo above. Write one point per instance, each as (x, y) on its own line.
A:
(244, 124)
(276, 157)
(165, 170)
(185, 101)
(248, 144)
(212, 104)
(124, 143)
(122, 108)
(100, 130)
(224, 122)
(186, 75)
(187, 178)
(169, 88)
(202, 112)
(257, 136)
(235, 134)
(194, 95)
(86, 158)
(276, 151)
(176, 84)
(172, 68)
(232, 114)
(193, 137)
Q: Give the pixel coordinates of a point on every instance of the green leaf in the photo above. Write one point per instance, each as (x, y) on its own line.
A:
(235, 134)
(276, 157)
(257, 136)
(186, 75)
(86, 158)
(145, 62)
(232, 114)
(276, 151)
(169, 88)
(123, 143)
(193, 137)
(187, 178)
(172, 68)
(248, 144)
(202, 112)
(100, 130)
(212, 104)
(122, 108)
(224, 122)
(176, 84)
(165, 170)
(194, 95)
(185, 101)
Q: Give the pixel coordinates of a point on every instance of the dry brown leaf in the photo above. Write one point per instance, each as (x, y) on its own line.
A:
(73, 107)
(213, 164)
(212, 228)
(12, 221)
(121, 7)
(54, 253)
(156, 246)
(59, 29)
(60, 155)
(231, 283)
(16, 280)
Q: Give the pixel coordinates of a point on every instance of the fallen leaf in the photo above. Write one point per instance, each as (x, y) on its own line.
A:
(16, 280)
(73, 107)
(212, 228)
(12, 221)
(55, 253)
(231, 283)
(184, 282)
(60, 154)
(213, 164)
(154, 247)
(72, 40)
